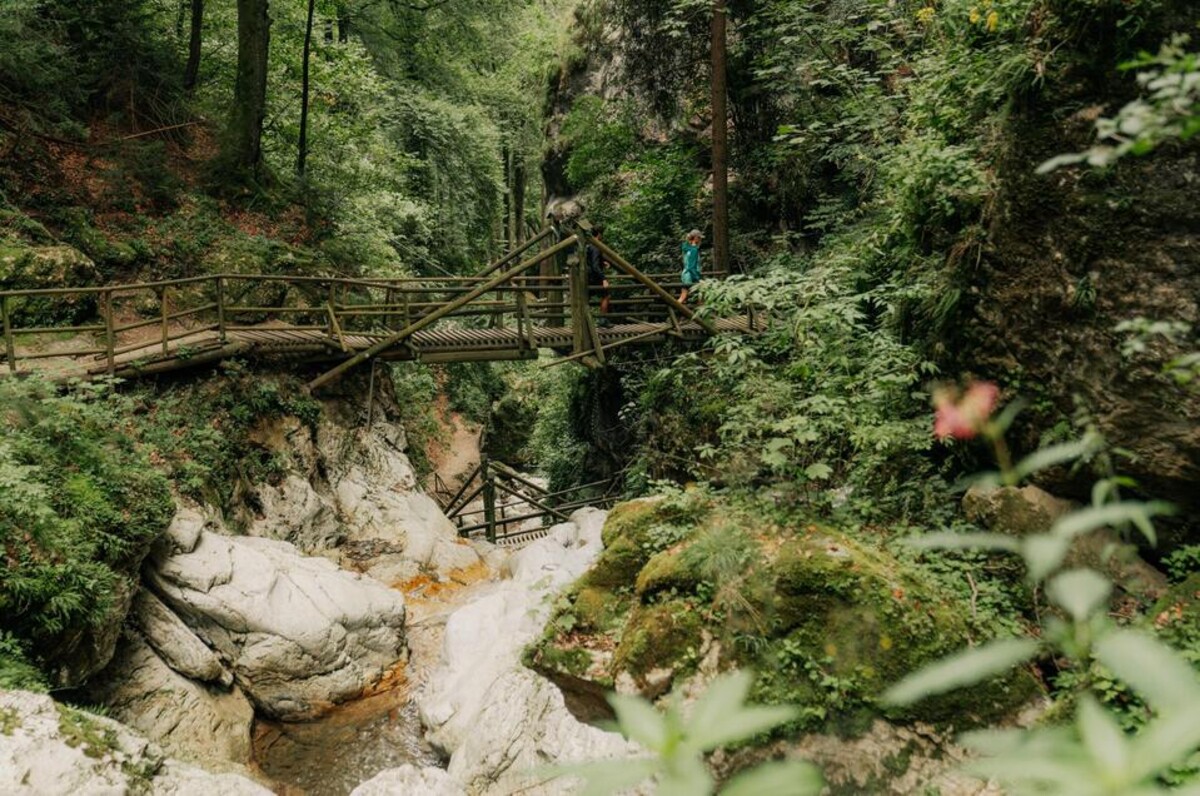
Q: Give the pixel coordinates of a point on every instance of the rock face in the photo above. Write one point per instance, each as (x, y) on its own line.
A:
(1032, 510)
(192, 721)
(354, 487)
(1066, 263)
(47, 748)
(297, 633)
(500, 722)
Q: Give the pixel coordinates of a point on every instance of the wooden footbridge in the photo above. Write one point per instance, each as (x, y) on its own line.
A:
(536, 297)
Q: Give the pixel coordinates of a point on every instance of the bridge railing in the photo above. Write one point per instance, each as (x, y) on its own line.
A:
(539, 285)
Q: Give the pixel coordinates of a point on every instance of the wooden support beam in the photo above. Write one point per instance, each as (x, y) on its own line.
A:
(432, 317)
(670, 300)
(10, 349)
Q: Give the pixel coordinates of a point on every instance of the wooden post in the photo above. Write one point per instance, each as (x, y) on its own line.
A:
(579, 297)
(110, 338)
(389, 320)
(10, 349)
(560, 270)
(163, 300)
(221, 310)
(489, 497)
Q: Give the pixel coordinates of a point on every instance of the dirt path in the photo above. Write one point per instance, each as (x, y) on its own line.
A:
(455, 460)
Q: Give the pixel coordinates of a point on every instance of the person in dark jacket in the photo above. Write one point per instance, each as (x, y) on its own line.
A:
(597, 280)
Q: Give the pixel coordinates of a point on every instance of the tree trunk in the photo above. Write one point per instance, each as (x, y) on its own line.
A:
(720, 146)
(302, 157)
(243, 143)
(191, 74)
(519, 198)
(509, 233)
(343, 21)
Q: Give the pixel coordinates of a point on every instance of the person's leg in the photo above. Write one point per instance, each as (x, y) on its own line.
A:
(683, 296)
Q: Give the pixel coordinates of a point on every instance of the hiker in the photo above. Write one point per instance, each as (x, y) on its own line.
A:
(596, 279)
(691, 264)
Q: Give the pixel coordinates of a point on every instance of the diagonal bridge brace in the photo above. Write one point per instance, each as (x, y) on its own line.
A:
(433, 317)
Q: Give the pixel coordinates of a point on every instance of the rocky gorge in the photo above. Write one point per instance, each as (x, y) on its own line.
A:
(277, 612)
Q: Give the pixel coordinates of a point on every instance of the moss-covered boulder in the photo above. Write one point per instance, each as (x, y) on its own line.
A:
(851, 619)
(828, 619)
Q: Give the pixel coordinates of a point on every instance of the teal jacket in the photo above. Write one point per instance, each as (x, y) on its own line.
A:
(691, 264)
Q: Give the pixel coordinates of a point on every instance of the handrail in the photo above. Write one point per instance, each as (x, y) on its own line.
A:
(143, 327)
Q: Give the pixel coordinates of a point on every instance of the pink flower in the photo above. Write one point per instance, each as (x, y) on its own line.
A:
(963, 418)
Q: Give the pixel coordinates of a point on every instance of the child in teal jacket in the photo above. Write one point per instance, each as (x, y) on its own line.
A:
(691, 264)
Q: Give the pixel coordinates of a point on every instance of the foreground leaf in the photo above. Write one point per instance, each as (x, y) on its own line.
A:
(963, 668)
(1154, 670)
(782, 778)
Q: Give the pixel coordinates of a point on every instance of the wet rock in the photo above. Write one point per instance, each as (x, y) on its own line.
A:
(48, 748)
(298, 633)
(190, 720)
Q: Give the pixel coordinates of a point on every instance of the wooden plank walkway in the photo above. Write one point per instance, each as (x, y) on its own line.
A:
(313, 345)
(509, 311)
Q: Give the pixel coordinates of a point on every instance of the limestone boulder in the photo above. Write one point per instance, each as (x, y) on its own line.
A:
(410, 779)
(499, 721)
(175, 643)
(48, 748)
(190, 720)
(299, 634)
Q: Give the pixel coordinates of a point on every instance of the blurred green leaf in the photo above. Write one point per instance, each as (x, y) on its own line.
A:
(781, 778)
(961, 669)
(1079, 592)
(639, 721)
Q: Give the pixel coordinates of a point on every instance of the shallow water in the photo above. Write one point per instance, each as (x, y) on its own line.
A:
(333, 755)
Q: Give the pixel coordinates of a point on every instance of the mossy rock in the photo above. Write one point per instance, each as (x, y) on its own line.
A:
(856, 620)
(618, 566)
(662, 636)
(631, 520)
(667, 571)
(599, 609)
(1176, 617)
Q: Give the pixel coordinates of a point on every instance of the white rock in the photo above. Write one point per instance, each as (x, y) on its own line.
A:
(298, 633)
(500, 722)
(175, 643)
(410, 780)
(46, 748)
(190, 720)
(294, 512)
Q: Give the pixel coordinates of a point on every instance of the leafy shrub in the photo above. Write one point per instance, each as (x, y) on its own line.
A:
(79, 505)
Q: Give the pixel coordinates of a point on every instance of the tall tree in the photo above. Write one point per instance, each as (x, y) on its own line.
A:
(192, 72)
(243, 140)
(302, 157)
(720, 135)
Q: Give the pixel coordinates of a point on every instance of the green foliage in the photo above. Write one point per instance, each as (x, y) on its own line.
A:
(79, 505)
(720, 717)
(598, 138)
(1168, 111)
(202, 433)
(1094, 755)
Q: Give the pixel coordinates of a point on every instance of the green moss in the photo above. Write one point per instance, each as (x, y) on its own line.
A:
(668, 571)
(630, 520)
(81, 731)
(599, 609)
(658, 636)
(618, 565)
(10, 720)
(857, 620)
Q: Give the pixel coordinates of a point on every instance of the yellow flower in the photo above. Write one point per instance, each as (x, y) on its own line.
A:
(975, 16)
(925, 15)
(993, 19)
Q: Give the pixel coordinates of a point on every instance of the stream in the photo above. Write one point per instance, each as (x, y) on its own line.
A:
(334, 754)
